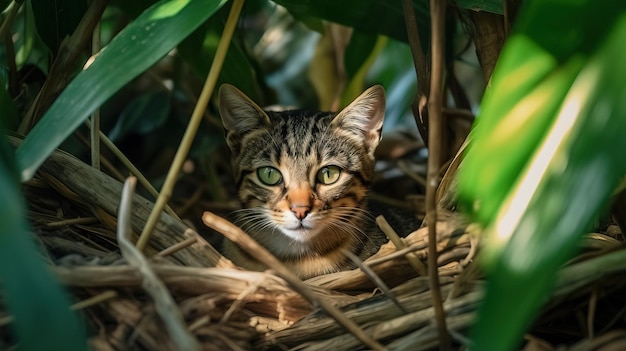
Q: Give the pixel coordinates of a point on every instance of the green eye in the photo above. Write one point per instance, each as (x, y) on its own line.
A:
(328, 174)
(269, 175)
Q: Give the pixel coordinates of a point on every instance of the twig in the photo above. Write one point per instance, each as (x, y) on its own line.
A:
(236, 235)
(60, 73)
(95, 117)
(164, 303)
(402, 164)
(591, 313)
(420, 110)
(240, 301)
(375, 278)
(194, 122)
(435, 132)
(79, 220)
(395, 239)
(96, 299)
(131, 167)
(181, 245)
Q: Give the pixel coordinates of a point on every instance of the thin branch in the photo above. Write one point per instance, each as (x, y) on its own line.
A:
(194, 122)
(131, 167)
(70, 51)
(164, 303)
(435, 131)
(420, 110)
(96, 44)
(374, 278)
(413, 260)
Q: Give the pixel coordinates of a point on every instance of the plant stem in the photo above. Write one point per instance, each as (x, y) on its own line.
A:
(194, 122)
(435, 132)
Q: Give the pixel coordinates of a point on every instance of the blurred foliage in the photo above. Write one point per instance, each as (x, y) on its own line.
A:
(546, 154)
(43, 321)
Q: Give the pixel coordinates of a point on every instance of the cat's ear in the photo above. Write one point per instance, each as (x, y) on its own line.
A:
(364, 116)
(239, 113)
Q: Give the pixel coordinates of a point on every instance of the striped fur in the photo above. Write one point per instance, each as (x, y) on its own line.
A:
(302, 221)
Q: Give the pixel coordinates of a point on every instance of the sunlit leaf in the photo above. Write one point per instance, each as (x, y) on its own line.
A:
(537, 178)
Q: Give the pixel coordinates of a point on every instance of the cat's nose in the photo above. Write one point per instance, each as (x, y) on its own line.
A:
(300, 211)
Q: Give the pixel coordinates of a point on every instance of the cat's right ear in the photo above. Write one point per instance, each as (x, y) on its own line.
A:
(239, 113)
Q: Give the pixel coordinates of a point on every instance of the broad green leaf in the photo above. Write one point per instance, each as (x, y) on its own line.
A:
(40, 307)
(545, 51)
(148, 38)
(199, 50)
(56, 19)
(373, 17)
(525, 121)
(537, 178)
(565, 187)
(394, 69)
(357, 52)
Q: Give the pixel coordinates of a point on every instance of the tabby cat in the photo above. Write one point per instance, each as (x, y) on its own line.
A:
(303, 178)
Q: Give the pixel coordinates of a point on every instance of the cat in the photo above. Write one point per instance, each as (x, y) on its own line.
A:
(303, 178)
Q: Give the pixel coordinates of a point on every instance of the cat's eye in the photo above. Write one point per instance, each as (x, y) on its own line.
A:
(328, 174)
(269, 175)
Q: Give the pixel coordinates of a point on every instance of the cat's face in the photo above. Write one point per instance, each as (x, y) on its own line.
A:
(302, 176)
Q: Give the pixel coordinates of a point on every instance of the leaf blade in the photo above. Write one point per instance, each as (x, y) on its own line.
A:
(151, 36)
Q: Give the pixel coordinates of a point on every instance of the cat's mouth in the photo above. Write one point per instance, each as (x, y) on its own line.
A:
(299, 231)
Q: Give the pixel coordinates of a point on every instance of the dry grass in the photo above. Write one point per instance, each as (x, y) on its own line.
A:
(74, 211)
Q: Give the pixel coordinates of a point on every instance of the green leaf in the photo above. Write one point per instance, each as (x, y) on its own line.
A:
(537, 178)
(372, 17)
(56, 19)
(8, 112)
(43, 320)
(359, 48)
(199, 50)
(545, 51)
(148, 38)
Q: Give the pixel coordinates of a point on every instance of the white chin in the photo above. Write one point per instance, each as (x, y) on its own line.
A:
(300, 234)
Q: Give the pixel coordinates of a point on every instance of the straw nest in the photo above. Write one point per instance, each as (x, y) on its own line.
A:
(182, 293)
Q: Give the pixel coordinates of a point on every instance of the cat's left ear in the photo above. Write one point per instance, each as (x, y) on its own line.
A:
(239, 113)
(364, 116)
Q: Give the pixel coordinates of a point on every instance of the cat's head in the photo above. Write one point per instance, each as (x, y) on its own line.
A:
(302, 174)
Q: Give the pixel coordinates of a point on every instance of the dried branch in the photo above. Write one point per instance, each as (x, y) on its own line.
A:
(242, 239)
(164, 303)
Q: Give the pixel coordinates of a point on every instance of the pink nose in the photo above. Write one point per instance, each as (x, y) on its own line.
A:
(300, 211)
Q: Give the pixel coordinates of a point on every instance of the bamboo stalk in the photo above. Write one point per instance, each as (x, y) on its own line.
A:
(194, 122)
